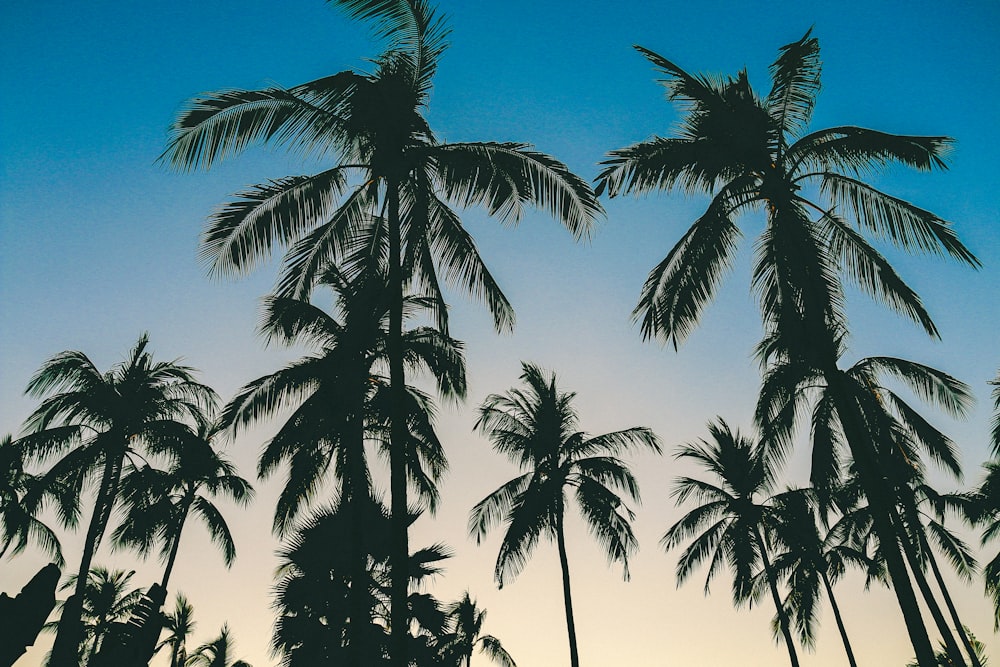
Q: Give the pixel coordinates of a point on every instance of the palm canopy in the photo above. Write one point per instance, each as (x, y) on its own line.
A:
(387, 158)
(217, 652)
(536, 428)
(22, 495)
(465, 625)
(179, 624)
(753, 152)
(338, 394)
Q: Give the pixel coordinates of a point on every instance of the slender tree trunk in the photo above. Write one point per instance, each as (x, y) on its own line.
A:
(875, 489)
(172, 558)
(574, 655)
(399, 554)
(839, 619)
(70, 632)
(780, 608)
(358, 499)
(951, 646)
(959, 627)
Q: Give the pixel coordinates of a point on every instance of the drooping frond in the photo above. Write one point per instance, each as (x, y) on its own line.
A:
(859, 150)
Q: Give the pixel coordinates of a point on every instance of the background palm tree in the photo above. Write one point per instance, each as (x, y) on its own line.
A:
(536, 428)
(157, 503)
(179, 625)
(464, 634)
(99, 422)
(728, 527)
(217, 652)
(374, 123)
(21, 496)
(753, 152)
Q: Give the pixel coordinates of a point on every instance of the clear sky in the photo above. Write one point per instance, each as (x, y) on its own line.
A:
(98, 243)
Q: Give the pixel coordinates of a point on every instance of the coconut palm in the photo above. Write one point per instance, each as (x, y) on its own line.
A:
(157, 503)
(21, 496)
(753, 152)
(464, 634)
(728, 526)
(811, 562)
(405, 182)
(317, 621)
(536, 427)
(217, 652)
(985, 511)
(179, 624)
(99, 423)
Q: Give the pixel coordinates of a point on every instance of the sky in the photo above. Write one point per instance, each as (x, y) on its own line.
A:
(98, 243)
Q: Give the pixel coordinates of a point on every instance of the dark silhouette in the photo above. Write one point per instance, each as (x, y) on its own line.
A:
(132, 643)
(22, 616)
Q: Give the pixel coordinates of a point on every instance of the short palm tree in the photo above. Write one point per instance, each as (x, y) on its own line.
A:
(21, 496)
(107, 600)
(217, 652)
(810, 562)
(754, 152)
(728, 526)
(986, 512)
(157, 503)
(464, 634)
(391, 172)
(179, 625)
(536, 428)
(97, 423)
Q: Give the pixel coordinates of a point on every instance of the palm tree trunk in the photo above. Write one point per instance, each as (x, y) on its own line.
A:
(399, 554)
(357, 492)
(839, 619)
(172, 558)
(959, 627)
(782, 615)
(574, 656)
(951, 646)
(882, 511)
(70, 632)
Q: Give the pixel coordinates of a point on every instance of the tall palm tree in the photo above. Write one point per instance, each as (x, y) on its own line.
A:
(536, 428)
(341, 398)
(179, 624)
(811, 562)
(728, 527)
(374, 123)
(21, 496)
(465, 626)
(99, 422)
(217, 652)
(884, 435)
(753, 152)
(157, 503)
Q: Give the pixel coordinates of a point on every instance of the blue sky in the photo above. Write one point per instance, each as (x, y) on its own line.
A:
(98, 242)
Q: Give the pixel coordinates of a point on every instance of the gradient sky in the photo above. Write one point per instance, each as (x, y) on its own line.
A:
(98, 243)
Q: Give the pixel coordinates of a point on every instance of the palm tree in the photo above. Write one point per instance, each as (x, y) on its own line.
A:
(752, 152)
(179, 624)
(728, 526)
(341, 398)
(158, 502)
(99, 422)
(809, 560)
(374, 123)
(107, 600)
(316, 592)
(21, 497)
(887, 440)
(216, 653)
(986, 511)
(465, 625)
(536, 428)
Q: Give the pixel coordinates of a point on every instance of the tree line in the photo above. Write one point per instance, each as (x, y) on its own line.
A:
(379, 232)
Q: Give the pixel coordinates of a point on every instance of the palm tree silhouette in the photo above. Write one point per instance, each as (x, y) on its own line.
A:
(158, 502)
(464, 634)
(374, 123)
(753, 152)
(217, 652)
(985, 510)
(179, 624)
(107, 600)
(536, 428)
(728, 527)
(99, 422)
(21, 497)
(811, 562)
